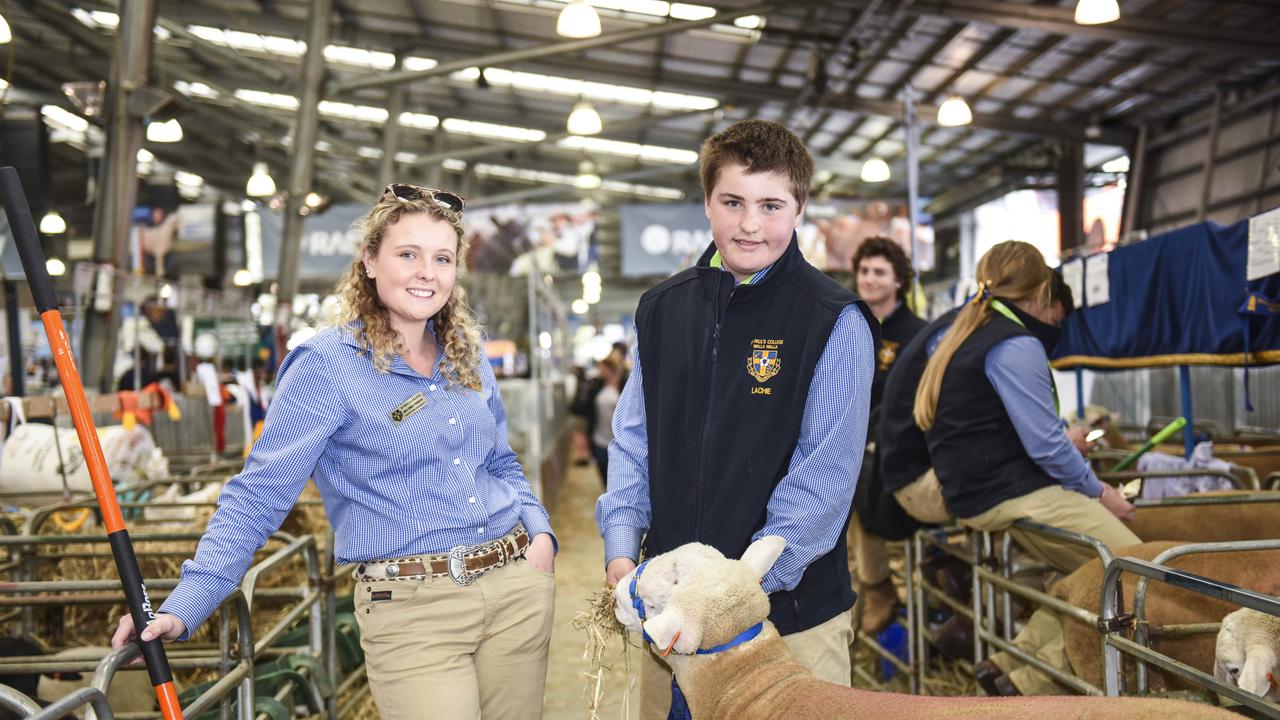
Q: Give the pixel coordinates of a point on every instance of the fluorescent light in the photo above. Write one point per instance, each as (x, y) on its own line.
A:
(621, 148)
(64, 119)
(168, 131)
(573, 87)
(1118, 165)
(875, 170)
(1097, 12)
(954, 112)
(492, 130)
(584, 120)
(196, 89)
(359, 57)
(183, 177)
(543, 177)
(578, 20)
(52, 223)
(55, 267)
(237, 40)
(260, 183)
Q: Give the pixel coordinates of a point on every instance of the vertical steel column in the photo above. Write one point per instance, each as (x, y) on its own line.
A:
(16, 370)
(1133, 186)
(302, 165)
(1210, 152)
(913, 617)
(911, 122)
(1071, 194)
(391, 132)
(1184, 389)
(117, 182)
(438, 145)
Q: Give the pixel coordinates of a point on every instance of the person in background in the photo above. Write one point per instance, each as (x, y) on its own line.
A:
(883, 273)
(396, 415)
(749, 392)
(987, 405)
(606, 400)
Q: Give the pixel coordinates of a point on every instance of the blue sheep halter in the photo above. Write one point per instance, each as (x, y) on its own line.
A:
(680, 706)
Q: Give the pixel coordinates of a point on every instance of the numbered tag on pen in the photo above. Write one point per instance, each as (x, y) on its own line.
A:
(409, 407)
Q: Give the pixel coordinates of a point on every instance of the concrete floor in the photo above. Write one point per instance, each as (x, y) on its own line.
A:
(579, 574)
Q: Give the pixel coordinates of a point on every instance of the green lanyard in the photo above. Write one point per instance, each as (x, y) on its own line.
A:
(1005, 311)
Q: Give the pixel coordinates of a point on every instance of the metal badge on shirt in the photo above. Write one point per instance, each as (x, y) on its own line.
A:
(409, 407)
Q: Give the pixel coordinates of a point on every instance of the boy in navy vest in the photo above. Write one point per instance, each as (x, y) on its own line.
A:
(746, 411)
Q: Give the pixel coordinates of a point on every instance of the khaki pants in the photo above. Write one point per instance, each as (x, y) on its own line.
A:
(1063, 509)
(824, 649)
(922, 500)
(435, 649)
(1042, 638)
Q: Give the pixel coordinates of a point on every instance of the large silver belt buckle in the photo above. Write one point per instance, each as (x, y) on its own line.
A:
(458, 565)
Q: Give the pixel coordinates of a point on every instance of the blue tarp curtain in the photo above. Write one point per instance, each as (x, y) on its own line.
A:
(1178, 299)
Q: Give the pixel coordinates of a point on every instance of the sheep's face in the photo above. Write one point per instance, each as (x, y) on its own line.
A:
(694, 597)
(1245, 653)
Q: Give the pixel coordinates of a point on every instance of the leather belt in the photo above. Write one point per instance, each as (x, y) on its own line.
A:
(464, 563)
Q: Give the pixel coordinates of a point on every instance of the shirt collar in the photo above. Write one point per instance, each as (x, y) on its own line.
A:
(718, 262)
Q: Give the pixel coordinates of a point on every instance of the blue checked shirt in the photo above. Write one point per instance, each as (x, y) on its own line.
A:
(811, 503)
(443, 476)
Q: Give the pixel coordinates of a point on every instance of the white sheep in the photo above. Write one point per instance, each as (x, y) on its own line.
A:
(710, 614)
(1246, 652)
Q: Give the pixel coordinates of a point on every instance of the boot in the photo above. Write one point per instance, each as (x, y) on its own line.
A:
(879, 604)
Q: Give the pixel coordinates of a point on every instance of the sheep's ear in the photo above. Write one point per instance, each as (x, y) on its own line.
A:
(671, 629)
(763, 553)
(1257, 666)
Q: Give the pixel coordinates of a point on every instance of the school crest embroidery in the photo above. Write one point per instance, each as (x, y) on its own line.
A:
(765, 361)
(888, 353)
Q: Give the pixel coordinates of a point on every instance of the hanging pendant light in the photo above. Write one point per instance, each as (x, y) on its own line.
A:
(6, 35)
(52, 223)
(875, 170)
(1097, 12)
(584, 120)
(578, 20)
(260, 183)
(954, 112)
(168, 131)
(587, 179)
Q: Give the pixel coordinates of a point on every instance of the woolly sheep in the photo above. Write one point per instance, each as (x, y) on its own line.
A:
(1246, 652)
(695, 598)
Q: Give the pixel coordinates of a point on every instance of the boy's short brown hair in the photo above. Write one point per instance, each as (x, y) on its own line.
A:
(881, 246)
(760, 146)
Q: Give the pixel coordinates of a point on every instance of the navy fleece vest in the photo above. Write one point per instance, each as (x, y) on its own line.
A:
(726, 376)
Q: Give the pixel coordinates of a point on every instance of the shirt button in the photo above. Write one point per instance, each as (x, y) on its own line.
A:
(453, 421)
(457, 461)
(471, 500)
(432, 388)
(480, 530)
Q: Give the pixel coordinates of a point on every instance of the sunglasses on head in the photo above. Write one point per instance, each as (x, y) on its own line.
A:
(443, 198)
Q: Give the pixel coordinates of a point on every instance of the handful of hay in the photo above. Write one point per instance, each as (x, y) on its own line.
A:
(600, 625)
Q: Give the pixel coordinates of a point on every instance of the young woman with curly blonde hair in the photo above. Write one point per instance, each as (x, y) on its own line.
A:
(395, 413)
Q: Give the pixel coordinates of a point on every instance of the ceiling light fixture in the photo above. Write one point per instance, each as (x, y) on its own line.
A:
(260, 183)
(954, 112)
(584, 120)
(875, 170)
(168, 131)
(1097, 12)
(52, 223)
(578, 20)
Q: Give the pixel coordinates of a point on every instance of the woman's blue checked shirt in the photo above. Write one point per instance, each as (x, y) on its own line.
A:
(444, 475)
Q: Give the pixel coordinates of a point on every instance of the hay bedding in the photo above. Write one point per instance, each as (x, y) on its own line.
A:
(81, 625)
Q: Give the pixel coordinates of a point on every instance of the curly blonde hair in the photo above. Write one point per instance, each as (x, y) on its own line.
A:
(362, 313)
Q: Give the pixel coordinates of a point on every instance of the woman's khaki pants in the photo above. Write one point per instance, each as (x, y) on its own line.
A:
(434, 649)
